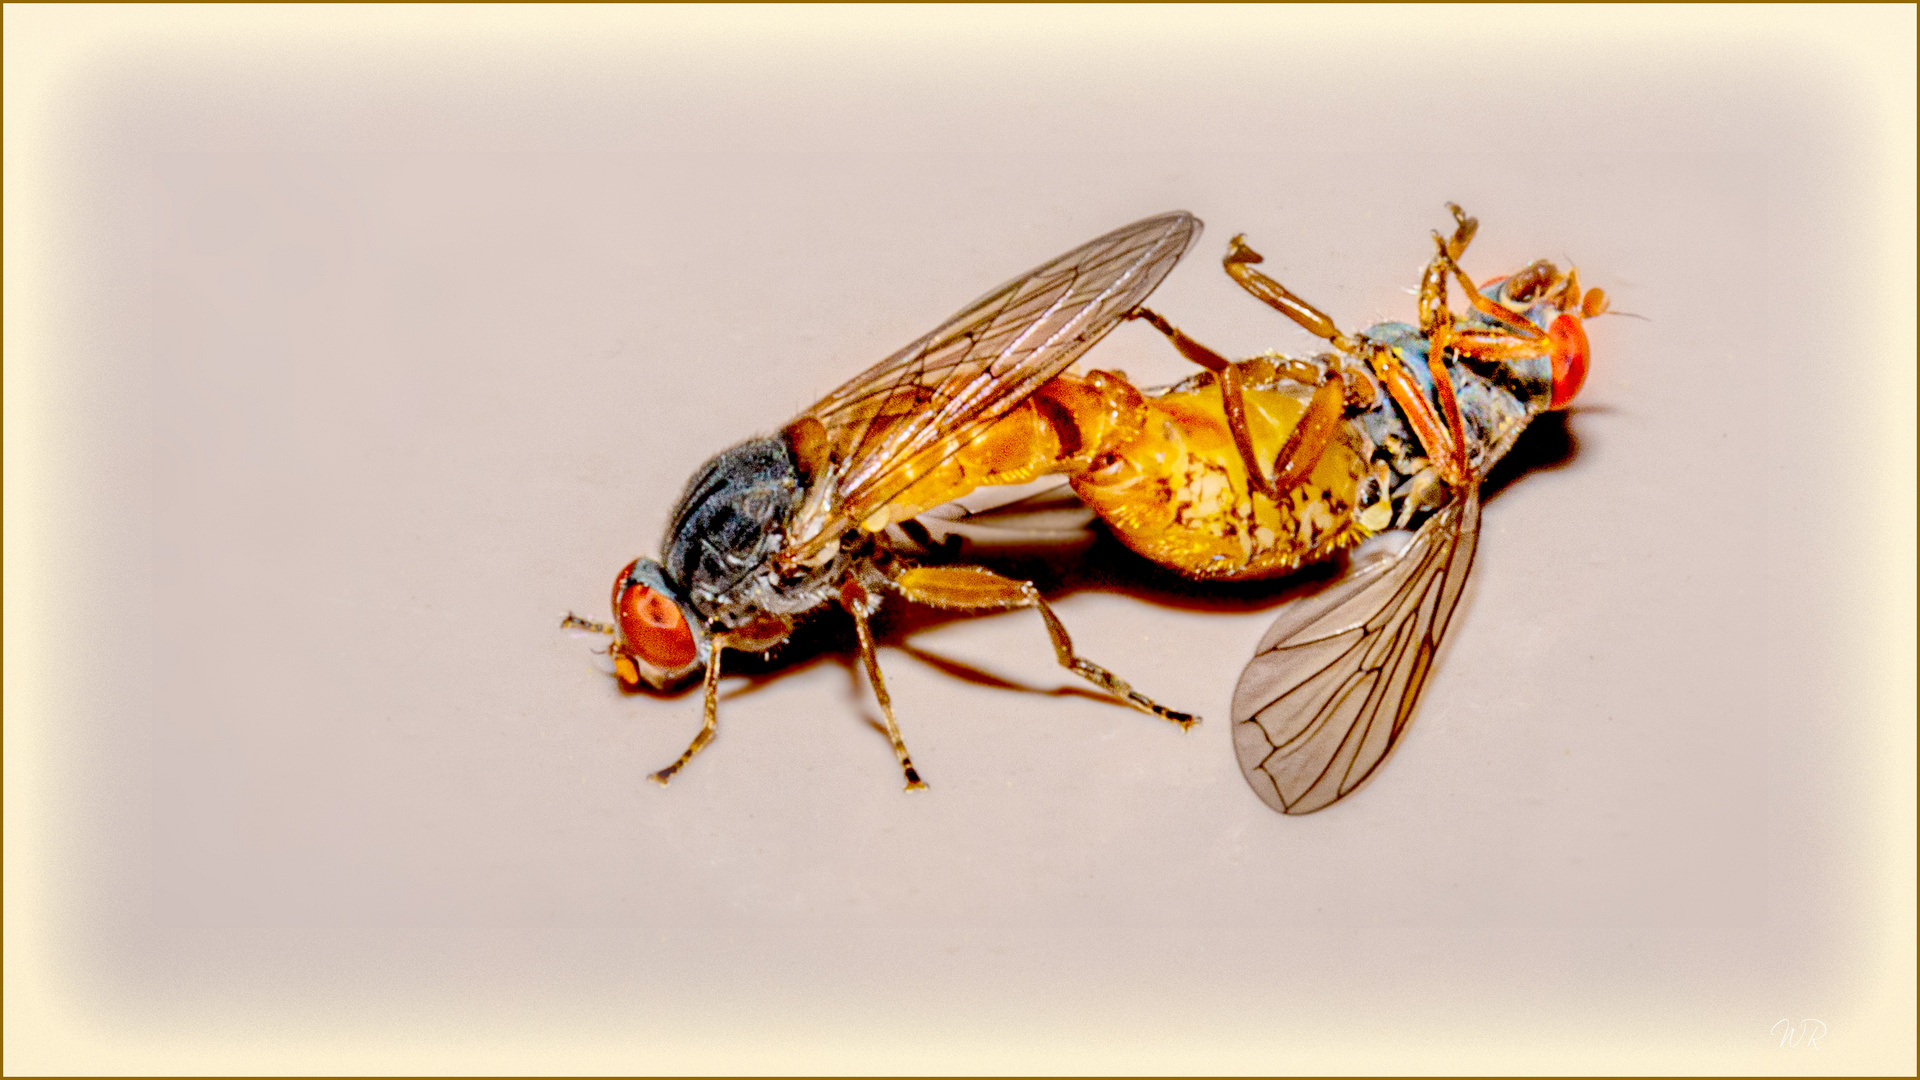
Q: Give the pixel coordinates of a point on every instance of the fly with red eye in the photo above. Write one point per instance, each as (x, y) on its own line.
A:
(1428, 411)
(653, 629)
(779, 526)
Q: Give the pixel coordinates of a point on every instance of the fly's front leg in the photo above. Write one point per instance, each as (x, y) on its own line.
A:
(1444, 437)
(1456, 465)
(859, 603)
(973, 588)
(1463, 229)
(711, 696)
(1433, 281)
(1434, 312)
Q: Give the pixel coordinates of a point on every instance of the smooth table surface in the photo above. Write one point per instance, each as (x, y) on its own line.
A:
(354, 374)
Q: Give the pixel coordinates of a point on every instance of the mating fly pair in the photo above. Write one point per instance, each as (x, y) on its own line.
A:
(1249, 469)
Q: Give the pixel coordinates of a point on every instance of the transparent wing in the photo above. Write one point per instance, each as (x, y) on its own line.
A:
(918, 407)
(1336, 678)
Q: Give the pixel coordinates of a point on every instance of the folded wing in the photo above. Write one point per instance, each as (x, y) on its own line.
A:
(1335, 680)
(920, 406)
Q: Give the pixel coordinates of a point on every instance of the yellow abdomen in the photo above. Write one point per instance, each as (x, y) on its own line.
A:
(1164, 473)
(1177, 492)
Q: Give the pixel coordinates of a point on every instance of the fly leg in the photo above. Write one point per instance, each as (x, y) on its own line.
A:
(1464, 228)
(1300, 371)
(1239, 263)
(1309, 438)
(1440, 432)
(711, 690)
(575, 622)
(859, 603)
(1509, 336)
(1445, 446)
(1241, 258)
(974, 588)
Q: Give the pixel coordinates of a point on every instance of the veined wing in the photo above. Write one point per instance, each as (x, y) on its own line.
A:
(905, 415)
(1336, 678)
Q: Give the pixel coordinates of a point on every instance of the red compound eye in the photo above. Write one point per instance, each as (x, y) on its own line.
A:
(1569, 340)
(652, 627)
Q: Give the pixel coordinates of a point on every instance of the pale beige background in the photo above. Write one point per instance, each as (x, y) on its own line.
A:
(346, 350)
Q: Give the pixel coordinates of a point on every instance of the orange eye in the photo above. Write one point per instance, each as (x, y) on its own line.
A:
(1569, 341)
(652, 627)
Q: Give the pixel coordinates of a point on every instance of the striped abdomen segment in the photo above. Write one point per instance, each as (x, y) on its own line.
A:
(1164, 473)
(1177, 491)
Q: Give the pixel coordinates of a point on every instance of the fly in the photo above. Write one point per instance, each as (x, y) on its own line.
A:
(780, 526)
(1392, 431)
(1250, 469)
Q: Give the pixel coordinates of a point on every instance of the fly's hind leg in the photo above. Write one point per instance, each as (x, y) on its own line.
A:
(1355, 354)
(974, 588)
(1239, 263)
(1434, 314)
(1309, 438)
(1300, 371)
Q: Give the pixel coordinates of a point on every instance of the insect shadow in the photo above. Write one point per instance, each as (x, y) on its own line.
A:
(1547, 444)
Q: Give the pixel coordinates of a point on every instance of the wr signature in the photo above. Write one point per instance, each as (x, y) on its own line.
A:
(1804, 1035)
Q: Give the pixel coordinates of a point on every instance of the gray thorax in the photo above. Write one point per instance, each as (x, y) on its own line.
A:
(728, 526)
